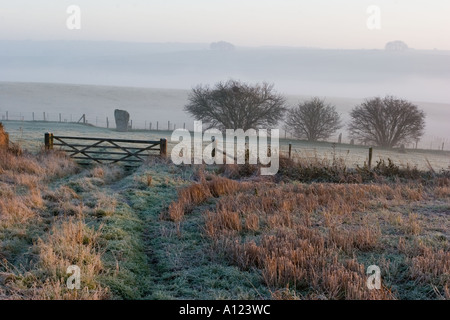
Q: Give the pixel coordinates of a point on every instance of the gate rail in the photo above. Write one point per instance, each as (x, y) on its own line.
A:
(106, 150)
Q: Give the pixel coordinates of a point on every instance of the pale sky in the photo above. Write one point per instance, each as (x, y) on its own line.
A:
(422, 24)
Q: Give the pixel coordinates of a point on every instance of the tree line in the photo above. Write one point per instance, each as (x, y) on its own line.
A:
(385, 122)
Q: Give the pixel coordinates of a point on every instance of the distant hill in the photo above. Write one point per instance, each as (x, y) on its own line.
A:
(415, 75)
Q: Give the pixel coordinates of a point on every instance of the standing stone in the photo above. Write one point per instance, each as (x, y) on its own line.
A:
(122, 118)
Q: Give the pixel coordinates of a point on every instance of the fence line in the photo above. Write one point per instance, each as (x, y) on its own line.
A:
(92, 119)
(102, 121)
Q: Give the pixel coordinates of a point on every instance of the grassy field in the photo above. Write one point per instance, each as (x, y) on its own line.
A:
(30, 135)
(310, 232)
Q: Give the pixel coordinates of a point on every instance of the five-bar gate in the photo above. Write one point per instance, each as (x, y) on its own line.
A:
(106, 150)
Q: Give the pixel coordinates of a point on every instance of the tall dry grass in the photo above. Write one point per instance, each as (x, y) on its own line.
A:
(52, 219)
(70, 242)
(304, 237)
(197, 193)
(23, 181)
(4, 139)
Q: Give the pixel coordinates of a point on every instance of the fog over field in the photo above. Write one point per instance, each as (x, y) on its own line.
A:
(152, 80)
(415, 74)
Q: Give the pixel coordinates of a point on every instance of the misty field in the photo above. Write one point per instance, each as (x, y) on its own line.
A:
(152, 105)
(310, 232)
(30, 135)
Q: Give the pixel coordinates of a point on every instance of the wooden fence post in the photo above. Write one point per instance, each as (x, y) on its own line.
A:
(370, 157)
(290, 150)
(163, 150)
(48, 141)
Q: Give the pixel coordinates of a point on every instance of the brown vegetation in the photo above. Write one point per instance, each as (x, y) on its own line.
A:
(43, 231)
(308, 240)
(4, 139)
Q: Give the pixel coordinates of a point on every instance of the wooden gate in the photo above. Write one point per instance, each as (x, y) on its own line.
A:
(106, 150)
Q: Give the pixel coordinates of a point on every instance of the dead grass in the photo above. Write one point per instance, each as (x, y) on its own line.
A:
(4, 139)
(198, 193)
(43, 231)
(23, 180)
(69, 243)
(432, 266)
(305, 238)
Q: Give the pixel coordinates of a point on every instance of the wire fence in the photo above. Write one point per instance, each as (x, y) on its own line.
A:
(103, 121)
(93, 119)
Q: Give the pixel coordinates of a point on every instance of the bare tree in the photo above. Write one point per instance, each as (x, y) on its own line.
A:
(313, 120)
(236, 105)
(387, 122)
(398, 46)
(222, 46)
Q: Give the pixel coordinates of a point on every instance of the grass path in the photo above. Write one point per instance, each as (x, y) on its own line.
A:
(178, 265)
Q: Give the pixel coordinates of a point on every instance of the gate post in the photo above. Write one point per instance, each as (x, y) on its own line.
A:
(48, 141)
(163, 149)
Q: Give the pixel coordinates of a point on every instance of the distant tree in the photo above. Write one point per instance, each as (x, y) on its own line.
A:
(236, 105)
(387, 122)
(396, 46)
(313, 120)
(222, 46)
